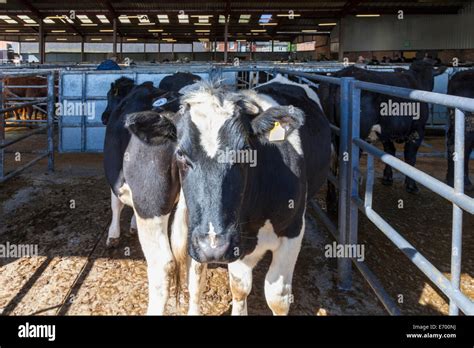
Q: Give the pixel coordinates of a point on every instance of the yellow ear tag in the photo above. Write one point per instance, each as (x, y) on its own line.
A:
(277, 133)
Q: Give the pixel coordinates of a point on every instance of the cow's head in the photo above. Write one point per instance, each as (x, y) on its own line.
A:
(212, 124)
(118, 91)
(425, 71)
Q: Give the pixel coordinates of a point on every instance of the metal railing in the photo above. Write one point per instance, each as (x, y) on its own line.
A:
(48, 124)
(346, 231)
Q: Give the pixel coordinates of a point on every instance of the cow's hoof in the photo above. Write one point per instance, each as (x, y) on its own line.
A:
(112, 242)
(412, 188)
(133, 231)
(387, 181)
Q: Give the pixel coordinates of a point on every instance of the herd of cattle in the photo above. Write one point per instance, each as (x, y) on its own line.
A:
(162, 157)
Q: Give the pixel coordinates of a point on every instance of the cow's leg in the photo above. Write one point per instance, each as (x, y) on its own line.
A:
(389, 148)
(280, 274)
(114, 228)
(196, 282)
(153, 235)
(410, 151)
(133, 225)
(240, 276)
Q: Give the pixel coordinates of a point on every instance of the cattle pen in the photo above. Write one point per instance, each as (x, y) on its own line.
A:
(402, 253)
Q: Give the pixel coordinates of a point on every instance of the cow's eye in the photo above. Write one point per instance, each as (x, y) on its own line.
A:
(180, 155)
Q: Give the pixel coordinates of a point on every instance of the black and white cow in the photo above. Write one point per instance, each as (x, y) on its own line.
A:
(461, 84)
(403, 128)
(170, 86)
(142, 172)
(239, 209)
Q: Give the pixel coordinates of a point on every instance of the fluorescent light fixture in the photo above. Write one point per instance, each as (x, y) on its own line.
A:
(203, 40)
(258, 30)
(31, 25)
(288, 15)
(183, 18)
(146, 23)
(288, 32)
(309, 31)
(30, 39)
(163, 18)
(89, 25)
(58, 31)
(27, 19)
(61, 39)
(103, 19)
(84, 19)
(222, 19)
(96, 39)
(11, 21)
(155, 30)
(202, 30)
(267, 24)
(143, 19)
(368, 15)
(202, 23)
(12, 31)
(265, 18)
(124, 19)
(327, 24)
(106, 30)
(48, 21)
(4, 17)
(244, 18)
(132, 39)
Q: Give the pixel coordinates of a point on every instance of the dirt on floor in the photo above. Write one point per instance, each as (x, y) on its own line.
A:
(66, 214)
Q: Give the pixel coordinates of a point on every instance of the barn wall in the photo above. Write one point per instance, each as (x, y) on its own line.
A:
(414, 32)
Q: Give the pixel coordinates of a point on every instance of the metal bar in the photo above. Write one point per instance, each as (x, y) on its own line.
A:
(343, 265)
(369, 184)
(21, 137)
(21, 87)
(22, 168)
(378, 288)
(445, 191)
(50, 122)
(418, 259)
(456, 246)
(466, 104)
(22, 105)
(353, 172)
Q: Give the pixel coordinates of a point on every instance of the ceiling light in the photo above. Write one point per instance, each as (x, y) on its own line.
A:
(103, 19)
(84, 19)
(96, 39)
(155, 30)
(89, 25)
(288, 15)
(258, 30)
(326, 24)
(12, 31)
(124, 19)
(106, 30)
(30, 39)
(61, 39)
(368, 15)
(163, 18)
(58, 31)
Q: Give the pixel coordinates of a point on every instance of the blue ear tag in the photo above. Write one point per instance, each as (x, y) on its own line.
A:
(160, 102)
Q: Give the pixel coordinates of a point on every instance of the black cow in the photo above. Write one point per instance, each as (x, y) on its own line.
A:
(141, 170)
(175, 82)
(118, 90)
(461, 84)
(407, 125)
(239, 208)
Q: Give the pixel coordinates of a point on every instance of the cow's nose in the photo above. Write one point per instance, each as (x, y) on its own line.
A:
(213, 247)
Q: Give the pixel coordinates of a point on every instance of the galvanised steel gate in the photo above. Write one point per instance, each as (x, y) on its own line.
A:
(346, 231)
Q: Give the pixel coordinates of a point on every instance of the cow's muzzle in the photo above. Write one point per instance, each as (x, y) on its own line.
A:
(215, 248)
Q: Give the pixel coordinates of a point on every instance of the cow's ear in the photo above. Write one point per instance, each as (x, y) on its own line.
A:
(151, 127)
(276, 123)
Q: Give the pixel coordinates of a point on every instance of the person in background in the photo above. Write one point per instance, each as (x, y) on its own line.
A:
(109, 64)
(361, 60)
